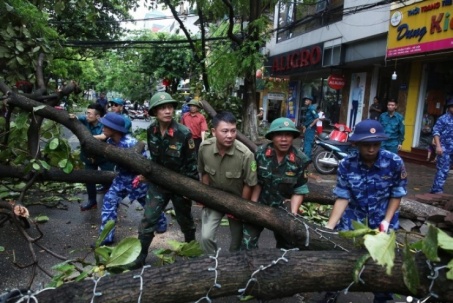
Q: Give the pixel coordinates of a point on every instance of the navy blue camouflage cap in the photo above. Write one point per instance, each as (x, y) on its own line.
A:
(450, 102)
(368, 131)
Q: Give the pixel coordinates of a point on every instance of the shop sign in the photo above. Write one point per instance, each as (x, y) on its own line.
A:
(296, 60)
(336, 82)
(420, 28)
(276, 96)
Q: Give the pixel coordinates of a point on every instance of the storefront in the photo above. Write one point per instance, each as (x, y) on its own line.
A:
(421, 36)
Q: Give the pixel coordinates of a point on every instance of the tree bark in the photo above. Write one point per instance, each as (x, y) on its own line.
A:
(303, 272)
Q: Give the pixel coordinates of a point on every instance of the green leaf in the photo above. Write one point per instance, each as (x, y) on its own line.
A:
(35, 49)
(382, 249)
(104, 252)
(54, 143)
(36, 166)
(44, 164)
(2, 249)
(450, 272)
(82, 276)
(62, 163)
(41, 219)
(20, 61)
(416, 245)
(358, 225)
(444, 241)
(410, 271)
(224, 222)
(125, 252)
(191, 249)
(36, 108)
(9, 8)
(358, 266)
(175, 245)
(355, 233)
(19, 46)
(63, 267)
(108, 227)
(429, 244)
(69, 167)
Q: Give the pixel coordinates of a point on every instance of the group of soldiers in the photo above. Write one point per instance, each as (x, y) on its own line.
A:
(370, 183)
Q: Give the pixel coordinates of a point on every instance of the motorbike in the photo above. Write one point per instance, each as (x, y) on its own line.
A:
(332, 148)
(138, 114)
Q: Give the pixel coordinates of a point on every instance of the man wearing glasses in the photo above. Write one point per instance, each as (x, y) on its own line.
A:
(117, 106)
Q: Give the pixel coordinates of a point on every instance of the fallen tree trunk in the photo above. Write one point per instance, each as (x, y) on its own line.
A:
(303, 272)
(303, 234)
(57, 175)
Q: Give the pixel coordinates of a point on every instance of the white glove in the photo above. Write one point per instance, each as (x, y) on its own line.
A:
(384, 226)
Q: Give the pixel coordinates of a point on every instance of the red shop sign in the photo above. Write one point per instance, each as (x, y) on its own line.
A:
(336, 81)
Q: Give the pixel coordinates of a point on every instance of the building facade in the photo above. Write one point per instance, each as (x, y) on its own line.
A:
(420, 36)
(334, 52)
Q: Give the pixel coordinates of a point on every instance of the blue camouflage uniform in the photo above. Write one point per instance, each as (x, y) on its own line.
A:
(120, 188)
(309, 135)
(444, 130)
(369, 189)
(93, 162)
(278, 181)
(394, 128)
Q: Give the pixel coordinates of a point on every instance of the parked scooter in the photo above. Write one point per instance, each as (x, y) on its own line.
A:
(138, 114)
(331, 149)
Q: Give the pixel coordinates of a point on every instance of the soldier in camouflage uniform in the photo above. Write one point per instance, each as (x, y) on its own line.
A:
(443, 136)
(171, 145)
(282, 175)
(116, 133)
(369, 187)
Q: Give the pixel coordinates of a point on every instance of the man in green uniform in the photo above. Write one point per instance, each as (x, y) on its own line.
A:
(282, 176)
(226, 164)
(311, 117)
(170, 145)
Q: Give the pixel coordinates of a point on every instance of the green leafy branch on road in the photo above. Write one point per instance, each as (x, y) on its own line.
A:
(381, 248)
(112, 259)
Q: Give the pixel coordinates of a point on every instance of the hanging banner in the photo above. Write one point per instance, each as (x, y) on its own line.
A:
(291, 101)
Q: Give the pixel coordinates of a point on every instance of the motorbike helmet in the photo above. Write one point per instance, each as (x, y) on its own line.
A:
(282, 125)
(368, 131)
(159, 99)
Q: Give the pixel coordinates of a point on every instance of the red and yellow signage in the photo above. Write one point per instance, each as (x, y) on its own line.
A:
(419, 28)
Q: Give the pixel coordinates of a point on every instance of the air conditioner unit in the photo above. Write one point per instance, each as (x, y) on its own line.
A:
(321, 6)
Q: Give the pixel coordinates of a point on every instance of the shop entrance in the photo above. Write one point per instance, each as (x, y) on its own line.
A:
(435, 90)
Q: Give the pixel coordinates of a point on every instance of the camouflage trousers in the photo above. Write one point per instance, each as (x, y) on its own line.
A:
(156, 201)
(120, 188)
(443, 164)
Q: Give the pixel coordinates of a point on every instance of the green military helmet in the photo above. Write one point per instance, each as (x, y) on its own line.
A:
(159, 99)
(194, 102)
(282, 125)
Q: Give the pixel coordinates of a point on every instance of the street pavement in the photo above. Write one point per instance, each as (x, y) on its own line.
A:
(69, 232)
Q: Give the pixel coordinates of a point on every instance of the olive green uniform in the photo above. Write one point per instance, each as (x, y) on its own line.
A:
(174, 150)
(228, 173)
(278, 181)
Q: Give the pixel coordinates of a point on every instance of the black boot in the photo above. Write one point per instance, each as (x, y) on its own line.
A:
(189, 236)
(145, 241)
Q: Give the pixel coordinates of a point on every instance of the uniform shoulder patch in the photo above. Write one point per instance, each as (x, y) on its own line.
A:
(191, 144)
(253, 166)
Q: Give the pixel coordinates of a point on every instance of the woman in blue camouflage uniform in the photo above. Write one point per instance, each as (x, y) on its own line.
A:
(443, 136)
(282, 176)
(116, 133)
(370, 185)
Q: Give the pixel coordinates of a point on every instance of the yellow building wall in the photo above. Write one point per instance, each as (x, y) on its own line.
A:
(410, 115)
